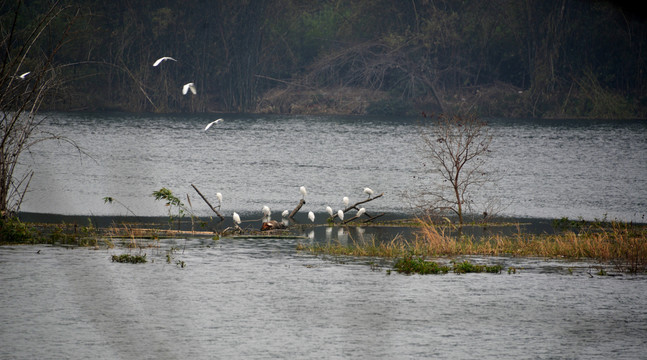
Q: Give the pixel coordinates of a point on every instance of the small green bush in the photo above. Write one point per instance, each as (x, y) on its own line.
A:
(12, 230)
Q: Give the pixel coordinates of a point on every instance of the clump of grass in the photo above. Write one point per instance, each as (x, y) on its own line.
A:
(418, 265)
(128, 258)
(468, 267)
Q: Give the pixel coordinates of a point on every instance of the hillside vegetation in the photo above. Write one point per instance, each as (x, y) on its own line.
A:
(534, 58)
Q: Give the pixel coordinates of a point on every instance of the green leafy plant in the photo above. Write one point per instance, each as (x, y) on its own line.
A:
(172, 202)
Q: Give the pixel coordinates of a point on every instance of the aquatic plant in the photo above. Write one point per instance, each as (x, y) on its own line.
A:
(128, 258)
(418, 265)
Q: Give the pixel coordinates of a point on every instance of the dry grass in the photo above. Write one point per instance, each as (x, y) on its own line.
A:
(623, 245)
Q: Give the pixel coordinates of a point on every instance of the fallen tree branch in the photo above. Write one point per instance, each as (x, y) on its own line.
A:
(207, 201)
(296, 209)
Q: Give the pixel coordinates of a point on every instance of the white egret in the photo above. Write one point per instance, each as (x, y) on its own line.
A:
(303, 191)
(368, 191)
(236, 218)
(345, 200)
(340, 214)
(187, 87)
(311, 216)
(219, 196)
(266, 212)
(23, 76)
(285, 213)
(329, 209)
(213, 123)
(360, 212)
(159, 61)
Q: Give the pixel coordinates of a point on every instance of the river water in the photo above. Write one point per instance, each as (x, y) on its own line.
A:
(256, 298)
(588, 169)
(260, 298)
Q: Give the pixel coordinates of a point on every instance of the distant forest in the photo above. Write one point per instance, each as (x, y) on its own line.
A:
(511, 58)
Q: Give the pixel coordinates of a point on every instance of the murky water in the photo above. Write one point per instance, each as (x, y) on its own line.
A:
(260, 298)
(547, 169)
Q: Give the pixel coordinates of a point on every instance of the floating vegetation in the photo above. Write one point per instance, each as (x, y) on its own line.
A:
(418, 265)
(128, 258)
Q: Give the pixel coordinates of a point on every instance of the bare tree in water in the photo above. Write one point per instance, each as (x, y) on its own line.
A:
(27, 76)
(456, 147)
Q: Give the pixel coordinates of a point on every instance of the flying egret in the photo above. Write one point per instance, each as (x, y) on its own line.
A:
(285, 213)
(236, 218)
(360, 212)
(345, 200)
(219, 196)
(23, 76)
(187, 87)
(340, 214)
(303, 191)
(329, 209)
(311, 216)
(368, 191)
(212, 123)
(159, 61)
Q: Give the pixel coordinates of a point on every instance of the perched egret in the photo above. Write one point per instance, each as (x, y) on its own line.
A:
(345, 200)
(329, 209)
(311, 216)
(236, 218)
(187, 87)
(266, 212)
(368, 191)
(303, 191)
(360, 212)
(219, 196)
(285, 213)
(212, 123)
(23, 76)
(159, 61)
(340, 214)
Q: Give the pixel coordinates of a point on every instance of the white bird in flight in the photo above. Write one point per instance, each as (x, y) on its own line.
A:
(340, 214)
(368, 191)
(311, 216)
(236, 218)
(212, 123)
(23, 76)
(303, 191)
(159, 61)
(187, 87)
(345, 200)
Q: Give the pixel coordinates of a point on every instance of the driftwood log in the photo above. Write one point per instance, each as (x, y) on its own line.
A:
(296, 209)
(207, 201)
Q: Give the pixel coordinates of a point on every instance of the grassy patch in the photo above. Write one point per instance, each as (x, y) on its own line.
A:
(128, 258)
(619, 244)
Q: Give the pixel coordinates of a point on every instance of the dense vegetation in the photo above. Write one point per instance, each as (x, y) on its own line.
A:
(556, 58)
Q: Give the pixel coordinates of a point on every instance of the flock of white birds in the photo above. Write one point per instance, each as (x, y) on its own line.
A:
(266, 210)
(267, 213)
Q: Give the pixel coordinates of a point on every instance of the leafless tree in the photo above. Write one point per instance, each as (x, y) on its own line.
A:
(27, 76)
(456, 146)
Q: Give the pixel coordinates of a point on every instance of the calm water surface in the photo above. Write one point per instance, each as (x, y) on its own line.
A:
(546, 169)
(260, 298)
